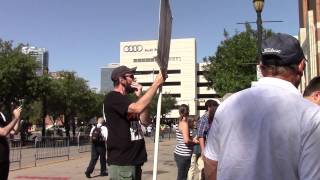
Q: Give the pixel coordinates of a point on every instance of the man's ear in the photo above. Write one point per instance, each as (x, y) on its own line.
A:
(315, 97)
(301, 66)
(263, 72)
(121, 79)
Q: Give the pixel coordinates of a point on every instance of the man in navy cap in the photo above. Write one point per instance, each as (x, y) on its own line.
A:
(268, 131)
(126, 149)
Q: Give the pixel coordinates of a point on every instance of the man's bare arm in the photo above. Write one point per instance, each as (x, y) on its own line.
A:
(144, 101)
(201, 142)
(145, 117)
(16, 117)
(210, 168)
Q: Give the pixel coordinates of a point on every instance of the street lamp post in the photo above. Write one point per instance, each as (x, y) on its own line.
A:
(44, 105)
(258, 6)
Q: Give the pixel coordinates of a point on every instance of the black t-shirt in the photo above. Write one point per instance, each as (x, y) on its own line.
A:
(4, 145)
(125, 143)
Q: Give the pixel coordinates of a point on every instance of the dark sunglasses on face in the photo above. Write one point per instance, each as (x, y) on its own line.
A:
(131, 76)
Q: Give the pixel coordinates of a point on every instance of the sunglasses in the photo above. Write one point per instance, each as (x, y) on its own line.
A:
(130, 76)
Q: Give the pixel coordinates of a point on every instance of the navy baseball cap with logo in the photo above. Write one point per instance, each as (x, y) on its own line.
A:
(281, 50)
(121, 71)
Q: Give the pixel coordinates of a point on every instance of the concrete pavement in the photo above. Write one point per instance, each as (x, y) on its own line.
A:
(61, 169)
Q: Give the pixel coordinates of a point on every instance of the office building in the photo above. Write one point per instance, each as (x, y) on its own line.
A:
(41, 56)
(185, 76)
(106, 83)
(309, 37)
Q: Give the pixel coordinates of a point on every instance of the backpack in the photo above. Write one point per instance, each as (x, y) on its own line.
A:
(97, 137)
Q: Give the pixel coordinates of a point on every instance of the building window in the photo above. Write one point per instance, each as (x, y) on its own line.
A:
(172, 83)
(201, 72)
(153, 59)
(145, 84)
(173, 95)
(207, 96)
(204, 84)
(157, 72)
(164, 84)
(201, 108)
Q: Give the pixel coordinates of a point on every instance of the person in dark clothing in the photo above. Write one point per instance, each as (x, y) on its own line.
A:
(126, 149)
(7, 127)
(98, 149)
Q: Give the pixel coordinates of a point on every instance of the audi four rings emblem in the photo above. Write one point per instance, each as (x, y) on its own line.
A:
(133, 48)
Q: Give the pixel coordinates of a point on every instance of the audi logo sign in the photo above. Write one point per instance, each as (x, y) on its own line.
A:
(133, 48)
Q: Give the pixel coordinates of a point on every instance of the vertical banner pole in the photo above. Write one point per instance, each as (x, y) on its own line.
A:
(156, 146)
(162, 58)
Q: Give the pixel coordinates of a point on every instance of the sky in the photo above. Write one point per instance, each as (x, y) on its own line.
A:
(85, 35)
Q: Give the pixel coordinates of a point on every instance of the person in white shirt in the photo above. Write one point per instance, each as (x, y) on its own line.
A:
(98, 148)
(268, 131)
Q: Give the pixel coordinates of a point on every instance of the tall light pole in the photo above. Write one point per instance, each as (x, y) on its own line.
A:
(258, 6)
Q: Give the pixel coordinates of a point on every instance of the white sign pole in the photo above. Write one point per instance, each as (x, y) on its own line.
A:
(162, 58)
(156, 145)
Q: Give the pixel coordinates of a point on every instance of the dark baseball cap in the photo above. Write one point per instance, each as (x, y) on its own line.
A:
(281, 50)
(121, 71)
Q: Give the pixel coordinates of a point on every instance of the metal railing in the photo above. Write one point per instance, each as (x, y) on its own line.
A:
(84, 143)
(15, 151)
(167, 133)
(51, 147)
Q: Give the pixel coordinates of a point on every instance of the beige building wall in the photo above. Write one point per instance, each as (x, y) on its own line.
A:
(204, 93)
(182, 69)
(309, 33)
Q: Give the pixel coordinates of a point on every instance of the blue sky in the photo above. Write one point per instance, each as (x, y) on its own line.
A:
(84, 35)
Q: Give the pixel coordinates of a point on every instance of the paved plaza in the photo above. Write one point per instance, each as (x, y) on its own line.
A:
(63, 169)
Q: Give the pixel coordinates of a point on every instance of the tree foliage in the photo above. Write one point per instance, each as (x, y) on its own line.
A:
(168, 103)
(233, 67)
(68, 95)
(17, 75)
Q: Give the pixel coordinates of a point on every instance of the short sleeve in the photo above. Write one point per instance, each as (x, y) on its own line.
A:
(201, 128)
(104, 132)
(212, 147)
(91, 131)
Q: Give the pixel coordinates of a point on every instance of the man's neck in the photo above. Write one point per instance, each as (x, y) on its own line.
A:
(120, 89)
(210, 117)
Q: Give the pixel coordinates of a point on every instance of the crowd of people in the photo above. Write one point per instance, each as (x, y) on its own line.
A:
(268, 131)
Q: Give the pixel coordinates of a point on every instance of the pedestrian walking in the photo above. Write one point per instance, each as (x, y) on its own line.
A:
(98, 136)
(184, 147)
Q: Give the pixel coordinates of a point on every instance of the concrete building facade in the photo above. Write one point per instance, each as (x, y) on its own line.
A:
(309, 36)
(106, 83)
(185, 76)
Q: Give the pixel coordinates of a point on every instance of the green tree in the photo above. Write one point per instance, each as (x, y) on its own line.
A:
(168, 103)
(17, 75)
(233, 67)
(70, 96)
